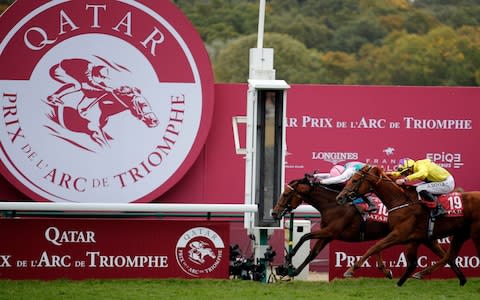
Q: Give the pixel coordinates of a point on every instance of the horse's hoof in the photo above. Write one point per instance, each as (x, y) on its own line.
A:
(389, 274)
(417, 275)
(286, 278)
(348, 274)
(463, 281)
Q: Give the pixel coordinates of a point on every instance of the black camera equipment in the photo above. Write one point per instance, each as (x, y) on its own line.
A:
(247, 269)
(269, 254)
(240, 267)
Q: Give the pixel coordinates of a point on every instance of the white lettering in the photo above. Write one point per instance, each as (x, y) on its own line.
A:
(44, 41)
(57, 237)
(120, 261)
(95, 13)
(65, 20)
(151, 39)
(54, 260)
(5, 263)
(412, 123)
(308, 121)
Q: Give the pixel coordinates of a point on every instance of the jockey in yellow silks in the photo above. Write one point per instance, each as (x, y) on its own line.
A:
(437, 180)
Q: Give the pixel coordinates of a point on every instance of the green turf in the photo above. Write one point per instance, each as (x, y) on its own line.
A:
(358, 288)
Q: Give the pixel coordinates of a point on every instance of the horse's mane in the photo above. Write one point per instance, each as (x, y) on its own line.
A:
(310, 180)
(408, 190)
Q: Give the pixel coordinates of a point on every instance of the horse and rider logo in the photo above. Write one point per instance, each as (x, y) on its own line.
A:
(102, 102)
(95, 102)
(199, 251)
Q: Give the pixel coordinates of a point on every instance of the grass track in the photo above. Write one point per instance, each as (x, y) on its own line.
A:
(358, 288)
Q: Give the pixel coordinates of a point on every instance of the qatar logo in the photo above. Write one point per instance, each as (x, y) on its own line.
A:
(199, 251)
(102, 102)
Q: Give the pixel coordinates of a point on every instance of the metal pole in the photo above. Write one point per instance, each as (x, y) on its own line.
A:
(261, 22)
(290, 245)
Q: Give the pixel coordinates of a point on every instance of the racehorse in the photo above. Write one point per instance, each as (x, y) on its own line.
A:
(338, 222)
(410, 221)
(102, 105)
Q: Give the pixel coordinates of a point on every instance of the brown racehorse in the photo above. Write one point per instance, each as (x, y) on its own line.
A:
(338, 222)
(409, 219)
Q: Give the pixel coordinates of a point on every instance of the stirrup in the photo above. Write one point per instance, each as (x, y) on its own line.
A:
(438, 211)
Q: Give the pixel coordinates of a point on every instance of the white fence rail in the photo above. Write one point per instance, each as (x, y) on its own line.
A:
(140, 207)
(125, 207)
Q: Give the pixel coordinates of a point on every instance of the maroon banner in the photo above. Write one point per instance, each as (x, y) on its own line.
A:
(330, 124)
(343, 255)
(379, 125)
(112, 248)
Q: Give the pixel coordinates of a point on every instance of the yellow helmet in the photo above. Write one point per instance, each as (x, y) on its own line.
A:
(405, 164)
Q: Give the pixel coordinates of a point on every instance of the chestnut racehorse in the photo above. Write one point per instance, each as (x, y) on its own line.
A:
(409, 219)
(338, 222)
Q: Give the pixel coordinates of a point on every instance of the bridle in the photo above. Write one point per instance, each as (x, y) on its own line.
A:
(289, 198)
(293, 192)
(353, 192)
(303, 196)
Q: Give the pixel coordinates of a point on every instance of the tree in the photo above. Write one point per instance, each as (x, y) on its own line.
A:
(309, 31)
(352, 36)
(336, 67)
(293, 62)
(442, 57)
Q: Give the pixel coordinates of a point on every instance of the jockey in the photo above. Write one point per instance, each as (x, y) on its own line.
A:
(437, 180)
(77, 75)
(341, 174)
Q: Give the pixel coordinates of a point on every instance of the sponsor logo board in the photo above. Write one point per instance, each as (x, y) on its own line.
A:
(102, 102)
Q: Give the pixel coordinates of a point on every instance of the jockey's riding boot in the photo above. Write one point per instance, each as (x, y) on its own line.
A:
(371, 206)
(439, 210)
(426, 195)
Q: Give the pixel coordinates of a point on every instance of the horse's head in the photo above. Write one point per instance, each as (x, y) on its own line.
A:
(292, 196)
(361, 183)
(132, 98)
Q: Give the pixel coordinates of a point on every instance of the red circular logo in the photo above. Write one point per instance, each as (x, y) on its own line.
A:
(199, 251)
(107, 102)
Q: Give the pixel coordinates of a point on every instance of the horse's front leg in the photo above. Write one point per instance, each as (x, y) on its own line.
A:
(381, 266)
(319, 234)
(388, 241)
(319, 245)
(411, 256)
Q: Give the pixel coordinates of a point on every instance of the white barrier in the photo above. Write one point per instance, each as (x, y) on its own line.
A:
(305, 209)
(126, 207)
(140, 207)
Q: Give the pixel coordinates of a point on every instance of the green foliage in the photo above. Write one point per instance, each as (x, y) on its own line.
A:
(442, 57)
(420, 22)
(295, 63)
(351, 37)
(401, 42)
(353, 41)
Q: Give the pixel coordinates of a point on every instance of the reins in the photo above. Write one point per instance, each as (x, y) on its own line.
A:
(376, 183)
